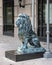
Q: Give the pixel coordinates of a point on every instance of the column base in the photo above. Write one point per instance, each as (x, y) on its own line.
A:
(47, 55)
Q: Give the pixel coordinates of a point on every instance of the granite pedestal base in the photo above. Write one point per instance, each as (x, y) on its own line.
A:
(12, 55)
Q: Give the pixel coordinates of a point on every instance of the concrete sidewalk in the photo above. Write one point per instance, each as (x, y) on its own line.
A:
(39, 61)
(11, 43)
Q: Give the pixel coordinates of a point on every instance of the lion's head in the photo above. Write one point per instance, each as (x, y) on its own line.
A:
(24, 24)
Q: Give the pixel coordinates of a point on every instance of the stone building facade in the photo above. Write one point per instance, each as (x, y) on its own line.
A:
(9, 10)
(17, 10)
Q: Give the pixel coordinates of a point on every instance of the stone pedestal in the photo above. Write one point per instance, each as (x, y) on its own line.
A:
(12, 55)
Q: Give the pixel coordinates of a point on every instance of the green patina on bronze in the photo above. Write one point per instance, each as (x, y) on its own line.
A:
(30, 41)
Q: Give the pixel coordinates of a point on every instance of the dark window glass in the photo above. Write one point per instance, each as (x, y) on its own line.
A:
(42, 13)
(8, 17)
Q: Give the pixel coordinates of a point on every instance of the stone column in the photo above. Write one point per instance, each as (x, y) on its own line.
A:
(33, 12)
(36, 15)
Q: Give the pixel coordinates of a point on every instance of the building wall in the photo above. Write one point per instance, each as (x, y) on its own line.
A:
(1, 18)
(17, 10)
(27, 10)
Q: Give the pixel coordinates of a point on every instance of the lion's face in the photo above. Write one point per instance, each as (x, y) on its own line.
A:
(24, 25)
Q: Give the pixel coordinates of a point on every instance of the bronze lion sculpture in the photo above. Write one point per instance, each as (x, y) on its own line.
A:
(30, 40)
